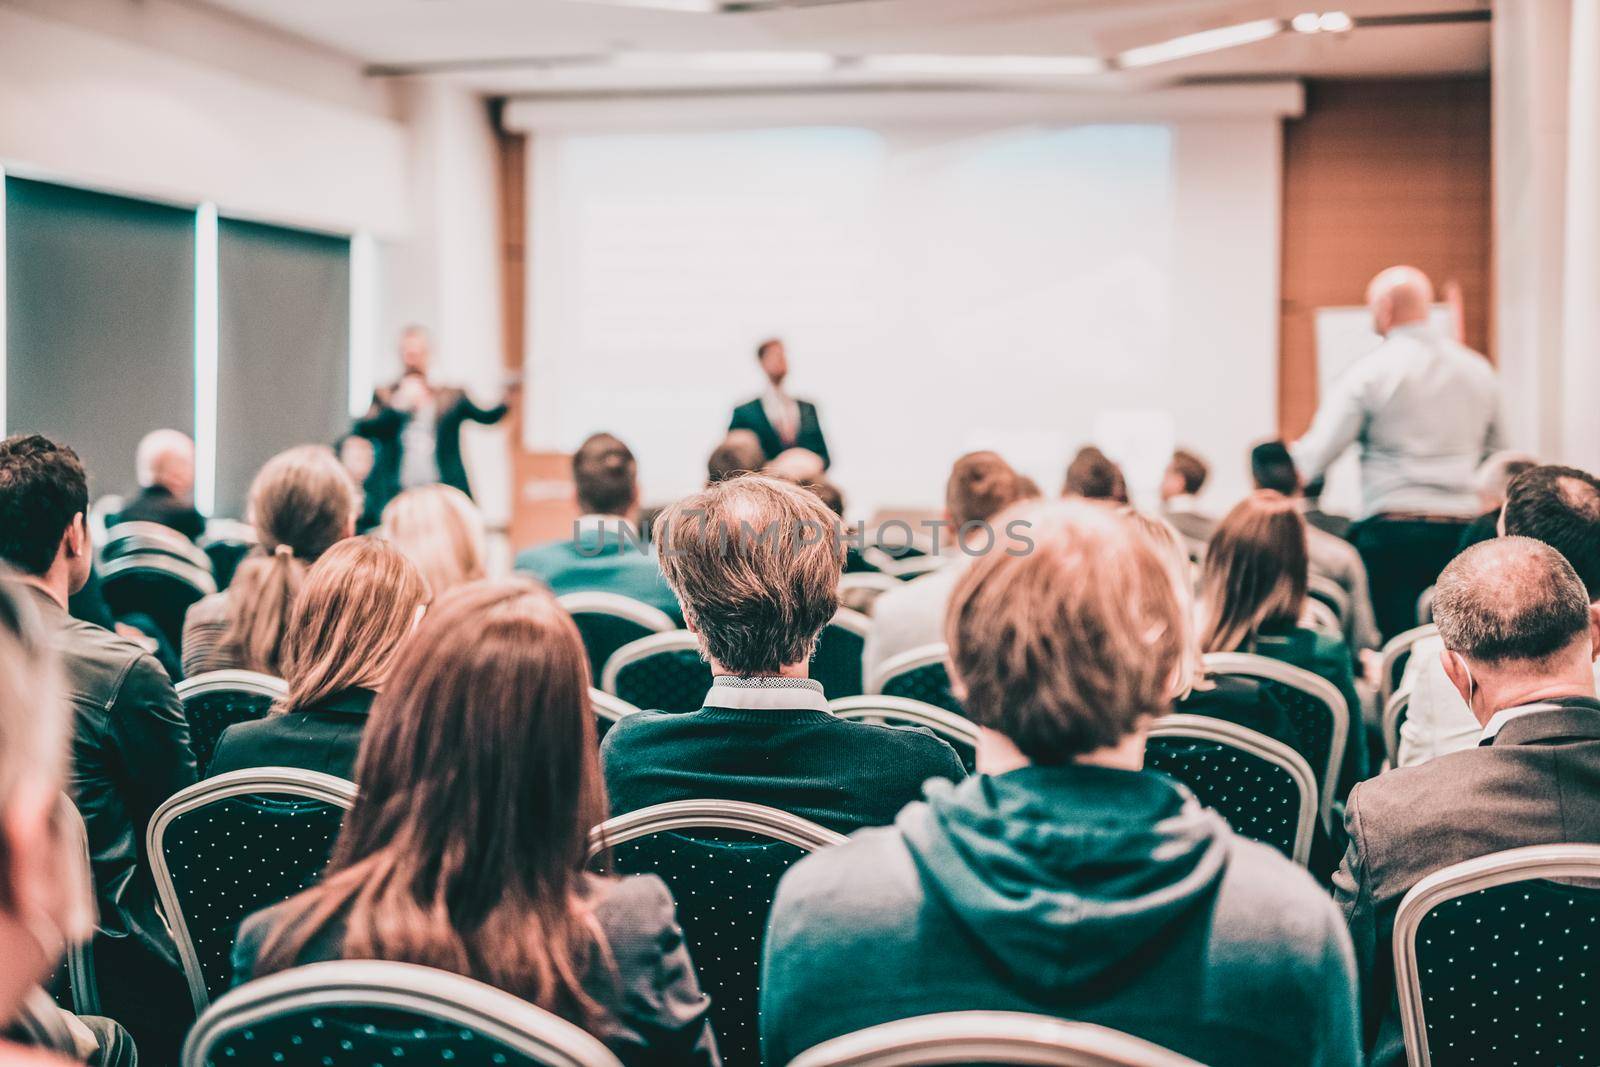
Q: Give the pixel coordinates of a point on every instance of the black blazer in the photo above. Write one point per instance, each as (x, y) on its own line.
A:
(382, 425)
(155, 504)
(752, 416)
(323, 737)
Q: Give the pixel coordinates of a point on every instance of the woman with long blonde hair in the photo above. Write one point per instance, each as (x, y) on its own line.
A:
(358, 604)
(441, 529)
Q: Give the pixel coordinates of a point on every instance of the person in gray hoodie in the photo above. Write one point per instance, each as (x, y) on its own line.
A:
(1063, 879)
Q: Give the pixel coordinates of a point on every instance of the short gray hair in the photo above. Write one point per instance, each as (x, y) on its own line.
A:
(1510, 599)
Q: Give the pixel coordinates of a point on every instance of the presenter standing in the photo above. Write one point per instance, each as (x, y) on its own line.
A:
(779, 421)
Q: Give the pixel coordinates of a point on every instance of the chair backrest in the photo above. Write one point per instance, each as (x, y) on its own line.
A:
(226, 543)
(232, 845)
(1394, 717)
(861, 590)
(607, 621)
(134, 538)
(215, 700)
(913, 566)
(1319, 616)
(722, 860)
(1262, 787)
(1330, 593)
(607, 710)
(988, 1037)
(836, 663)
(1318, 718)
(155, 584)
(1494, 959)
(1425, 606)
(663, 672)
(1396, 654)
(367, 1013)
(917, 674)
(961, 732)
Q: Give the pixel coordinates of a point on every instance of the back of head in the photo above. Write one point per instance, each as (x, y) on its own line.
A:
(1064, 649)
(165, 458)
(755, 563)
(981, 486)
(42, 487)
(1189, 469)
(739, 453)
(1093, 476)
(1496, 474)
(605, 476)
(302, 503)
(1511, 603)
(1399, 295)
(1255, 572)
(358, 602)
(831, 495)
(441, 530)
(479, 783)
(1273, 468)
(1561, 507)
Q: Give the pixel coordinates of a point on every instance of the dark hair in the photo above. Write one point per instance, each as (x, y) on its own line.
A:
(1255, 572)
(761, 349)
(1191, 468)
(738, 453)
(981, 486)
(1511, 598)
(42, 486)
(830, 494)
(1273, 468)
(605, 475)
(1093, 476)
(1561, 507)
(480, 780)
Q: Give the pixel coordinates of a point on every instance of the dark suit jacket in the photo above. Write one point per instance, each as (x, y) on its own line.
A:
(323, 737)
(383, 424)
(1536, 783)
(752, 416)
(155, 504)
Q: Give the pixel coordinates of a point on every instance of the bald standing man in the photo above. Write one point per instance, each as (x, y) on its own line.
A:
(1424, 412)
(164, 463)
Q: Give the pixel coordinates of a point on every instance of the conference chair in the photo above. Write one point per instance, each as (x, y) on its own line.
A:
(1264, 788)
(226, 543)
(369, 1013)
(133, 538)
(232, 845)
(1318, 718)
(1394, 718)
(607, 710)
(1326, 591)
(663, 672)
(607, 621)
(836, 661)
(1425, 606)
(215, 700)
(917, 674)
(960, 732)
(1494, 959)
(157, 585)
(1395, 655)
(988, 1037)
(861, 590)
(722, 860)
(1319, 616)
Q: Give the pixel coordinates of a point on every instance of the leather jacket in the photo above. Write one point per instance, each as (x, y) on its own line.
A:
(130, 752)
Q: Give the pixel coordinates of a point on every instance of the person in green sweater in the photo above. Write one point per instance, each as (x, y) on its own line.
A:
(756, 563)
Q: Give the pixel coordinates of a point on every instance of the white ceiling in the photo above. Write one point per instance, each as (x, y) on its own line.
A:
(504, 47)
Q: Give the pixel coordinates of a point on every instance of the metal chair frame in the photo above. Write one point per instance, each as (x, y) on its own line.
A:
(644, 648)
(609, 706)
(994, 1037)
(907, 661)
(593, 602)
(876, 707)
(1393, 649)
(1398, 704)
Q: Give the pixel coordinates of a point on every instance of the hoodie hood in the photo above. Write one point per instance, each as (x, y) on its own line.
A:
(1064, 873)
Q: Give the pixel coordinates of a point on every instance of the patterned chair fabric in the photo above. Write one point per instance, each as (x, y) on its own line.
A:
(837, 660)
(955, 730)
(1261, 786)
(919, 674)
(367, 1013)
(662, 672)
(234, 844)
(1495, 960)
(607, 621)
(216, 700)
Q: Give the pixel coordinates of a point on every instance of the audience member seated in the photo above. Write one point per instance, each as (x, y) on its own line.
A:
(796, 465)
(739, 453)
(1493, 479)
(131, 745)
(1180, 485)
(980, 487)
(756, 564)
(604, 553)
(1557, 505)
(45, 897)
(1093, 476)
(357, 456)
(1520, 640)
(468, 846)
(831, 495)
(1065, 879)
(301, 504)
(1326, 521)
(1252, 595)
(359, 602)
(164, 462)
(1328, 554)
(441, 530)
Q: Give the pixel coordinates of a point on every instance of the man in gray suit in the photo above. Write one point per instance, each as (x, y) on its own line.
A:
(1520, 638)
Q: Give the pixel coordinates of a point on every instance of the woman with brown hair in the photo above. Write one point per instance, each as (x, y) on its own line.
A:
(441, 529)
(468, 847)
(359, 602)
(1252, 595)
(302, 503)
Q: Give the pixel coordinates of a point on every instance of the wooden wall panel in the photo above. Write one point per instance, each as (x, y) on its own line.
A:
(1377, 173)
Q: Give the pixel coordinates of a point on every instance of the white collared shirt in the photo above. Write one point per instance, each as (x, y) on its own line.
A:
(1505, 715)
(766, 693)
(783, 412)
